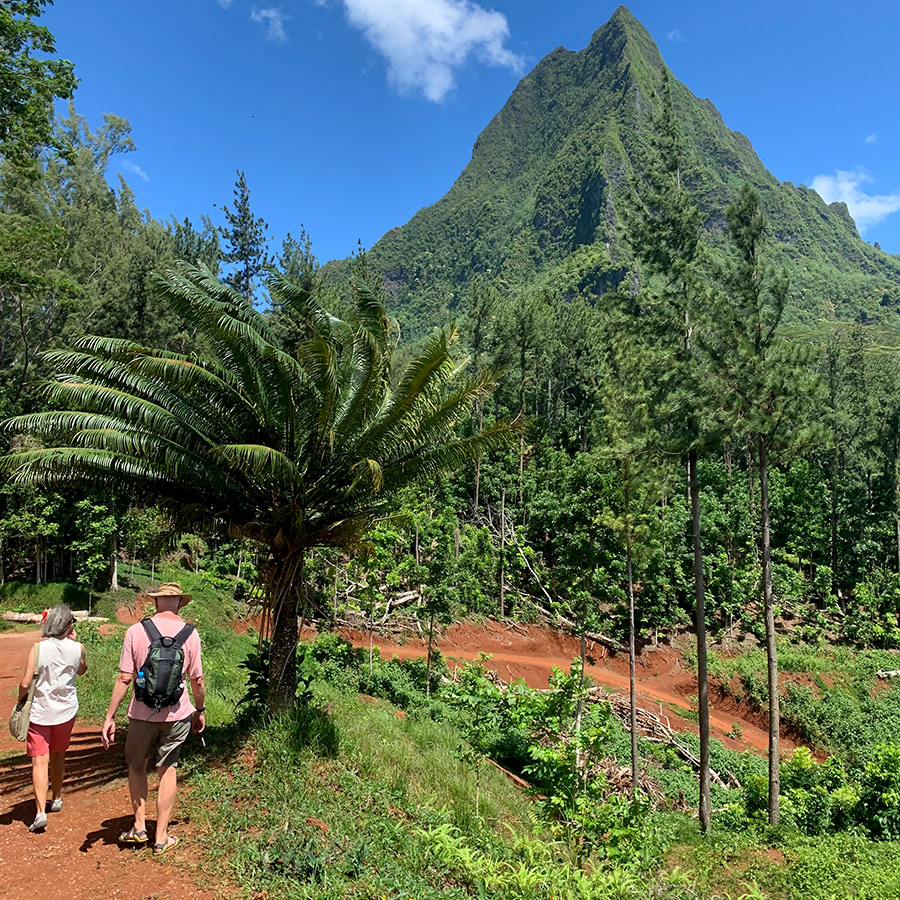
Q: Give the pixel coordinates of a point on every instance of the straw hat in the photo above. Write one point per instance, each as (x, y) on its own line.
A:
(170, 589)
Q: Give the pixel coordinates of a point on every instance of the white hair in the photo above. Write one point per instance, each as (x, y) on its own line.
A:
(58, 623)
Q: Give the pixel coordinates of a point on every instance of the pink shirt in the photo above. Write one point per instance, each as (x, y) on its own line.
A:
(134, 652)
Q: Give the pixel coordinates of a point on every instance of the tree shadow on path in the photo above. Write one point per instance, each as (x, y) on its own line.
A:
(88, 767)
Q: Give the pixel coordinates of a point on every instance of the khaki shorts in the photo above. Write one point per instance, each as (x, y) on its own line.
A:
(169, 738)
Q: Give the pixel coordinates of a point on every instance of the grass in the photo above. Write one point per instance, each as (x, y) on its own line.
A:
(329, 805)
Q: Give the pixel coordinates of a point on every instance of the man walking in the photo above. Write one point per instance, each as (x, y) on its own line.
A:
(159, 655)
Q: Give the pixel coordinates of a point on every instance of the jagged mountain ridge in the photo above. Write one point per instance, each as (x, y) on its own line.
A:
(544, 199)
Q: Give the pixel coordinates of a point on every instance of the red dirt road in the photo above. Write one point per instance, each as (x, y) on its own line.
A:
(77, 858)
(532, 652)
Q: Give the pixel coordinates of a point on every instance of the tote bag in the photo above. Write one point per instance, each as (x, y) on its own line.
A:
(21, 714)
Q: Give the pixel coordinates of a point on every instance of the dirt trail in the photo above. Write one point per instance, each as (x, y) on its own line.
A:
(78, 857)
(532, 652)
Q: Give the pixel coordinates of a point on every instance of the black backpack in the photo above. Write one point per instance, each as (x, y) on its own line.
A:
(160, 680)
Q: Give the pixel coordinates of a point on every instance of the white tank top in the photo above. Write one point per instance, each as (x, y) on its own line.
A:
(55, 700)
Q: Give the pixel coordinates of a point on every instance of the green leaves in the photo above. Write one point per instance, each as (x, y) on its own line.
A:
(30, 82)
(292, 450)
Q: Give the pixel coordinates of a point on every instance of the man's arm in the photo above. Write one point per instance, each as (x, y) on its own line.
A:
(120, 689)
(82, 666)
(198, 690)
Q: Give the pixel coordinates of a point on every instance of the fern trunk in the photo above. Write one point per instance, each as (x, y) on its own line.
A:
(286, 576)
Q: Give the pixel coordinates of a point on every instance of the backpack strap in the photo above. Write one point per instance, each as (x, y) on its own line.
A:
(37, 662)
(151, 629)
(183, 635)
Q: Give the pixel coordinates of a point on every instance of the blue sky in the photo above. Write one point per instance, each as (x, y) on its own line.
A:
(349, 115)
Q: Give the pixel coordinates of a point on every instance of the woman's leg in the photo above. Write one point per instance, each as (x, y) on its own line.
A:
(39, 765)
(60, 735)
(57, 772)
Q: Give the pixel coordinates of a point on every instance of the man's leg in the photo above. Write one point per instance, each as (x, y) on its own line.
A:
(137, 744)
(165, 801)
(57, 772)
(172, 738)
(137, 787)
(39, 766)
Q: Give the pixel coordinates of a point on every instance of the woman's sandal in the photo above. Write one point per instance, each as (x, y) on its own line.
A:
(133, 837)
(159, 849)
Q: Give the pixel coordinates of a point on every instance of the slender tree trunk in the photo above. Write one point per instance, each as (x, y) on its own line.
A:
(284, 597)
(834, 506)
(502, 553)
(771, 652)
(477, 482)
(579, 711)
(632, 681)
(478, 461)
(113, 552)
(428, 660)
(700, 614)
(522, 467)
(896, 508)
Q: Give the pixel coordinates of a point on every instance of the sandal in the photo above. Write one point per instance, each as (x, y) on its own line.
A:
(133, 837)
(159, 849)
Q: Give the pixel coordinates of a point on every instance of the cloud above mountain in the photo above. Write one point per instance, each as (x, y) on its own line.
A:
(426, 41)
(867, 209)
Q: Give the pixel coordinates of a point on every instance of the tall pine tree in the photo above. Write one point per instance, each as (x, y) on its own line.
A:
(245, 242)
(762, 385)
(665, 233)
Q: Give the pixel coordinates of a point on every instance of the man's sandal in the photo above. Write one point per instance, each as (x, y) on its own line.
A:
(159, 849)
(134, 837)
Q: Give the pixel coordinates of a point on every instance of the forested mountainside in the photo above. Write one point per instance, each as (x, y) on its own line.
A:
(546, 200)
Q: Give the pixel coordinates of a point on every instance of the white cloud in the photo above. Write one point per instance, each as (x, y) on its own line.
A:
(273, 18)
(225, 3)
(134, 168)
(676, 36)
(872, 138)
(425, 41)
(866, 209)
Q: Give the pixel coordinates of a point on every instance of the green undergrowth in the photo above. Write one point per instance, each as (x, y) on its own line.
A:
(350, 799)
(837, 705)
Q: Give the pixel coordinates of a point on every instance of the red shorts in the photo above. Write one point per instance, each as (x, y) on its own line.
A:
(44, 739)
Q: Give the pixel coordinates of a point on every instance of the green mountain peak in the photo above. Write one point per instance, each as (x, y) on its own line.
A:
(545, 197)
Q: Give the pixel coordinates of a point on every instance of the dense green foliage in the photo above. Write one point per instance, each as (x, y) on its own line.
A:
(30, 81)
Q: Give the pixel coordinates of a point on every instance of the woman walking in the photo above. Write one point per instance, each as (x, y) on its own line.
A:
(53, 708)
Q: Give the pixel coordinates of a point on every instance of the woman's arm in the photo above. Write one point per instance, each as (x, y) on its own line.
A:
(82, 666)
(25, 683)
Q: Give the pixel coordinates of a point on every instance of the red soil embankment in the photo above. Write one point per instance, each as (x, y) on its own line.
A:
(531, 652)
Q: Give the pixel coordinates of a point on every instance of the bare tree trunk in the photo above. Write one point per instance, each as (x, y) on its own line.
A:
(896, 508)
(428, 660)
(502, 553)
(632, 681)
(771, 652)
(579, 711)
(477, 482)
(702, 680)
(478, 461)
